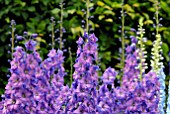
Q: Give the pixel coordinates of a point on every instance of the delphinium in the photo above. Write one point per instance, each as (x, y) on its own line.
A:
(83, 97)
(19, 96)
(156, 64)
(131, 62)
(12, 26)
(50, 81)
(84, 93)
(125, 92)
(53, 75)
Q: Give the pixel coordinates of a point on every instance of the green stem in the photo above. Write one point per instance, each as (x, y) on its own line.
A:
(61, 25)
(87, 15)
(12, 41)
(141, 56)
(141, 52)
(157, 18)
(122, 36)
(53, 43)
(71, 65)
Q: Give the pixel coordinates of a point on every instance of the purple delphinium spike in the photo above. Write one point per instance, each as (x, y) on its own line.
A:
(84, 93)
(19, 93)
(130, 71)
(51, 82)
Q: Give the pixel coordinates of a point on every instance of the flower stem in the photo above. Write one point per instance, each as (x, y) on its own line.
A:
(141, 53)
(122, 36)
(157, 18)
(61, 24)
(13, 37)
(53, 42)
(87, 15)
(71, 65)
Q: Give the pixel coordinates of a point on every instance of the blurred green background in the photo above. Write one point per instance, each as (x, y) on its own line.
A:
(34, 16)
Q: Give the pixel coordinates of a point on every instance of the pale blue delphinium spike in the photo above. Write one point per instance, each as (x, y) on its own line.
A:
(168, 101)
(161, 104)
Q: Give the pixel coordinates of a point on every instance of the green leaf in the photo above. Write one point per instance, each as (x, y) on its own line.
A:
(109, 20)
(146, 15)
(91, 4)
(22, 4)
(128, 8)
(141, 21)
(4, 69)
(41, 26)
(31, 9)
(149, 43)
(71, 11)
(107, 55)
(109, 12)
(7, 19)
(25, 15)
(34, 1)
(7, 2)
(55, 11)
(101, 17)
(79, 12)
(165, 48)
(100, 3)
(1, 51)
(39, 39)
(31, 26)
(148, 22)
(45, 2)
(136, 5)
(76, 30)
(116, 5)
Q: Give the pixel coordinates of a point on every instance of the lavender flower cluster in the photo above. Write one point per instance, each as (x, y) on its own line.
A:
(36, 86)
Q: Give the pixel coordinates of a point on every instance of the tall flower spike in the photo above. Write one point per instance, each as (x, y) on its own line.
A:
(19, 90)
(156, 64)
(142, 53)
(84, 88)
